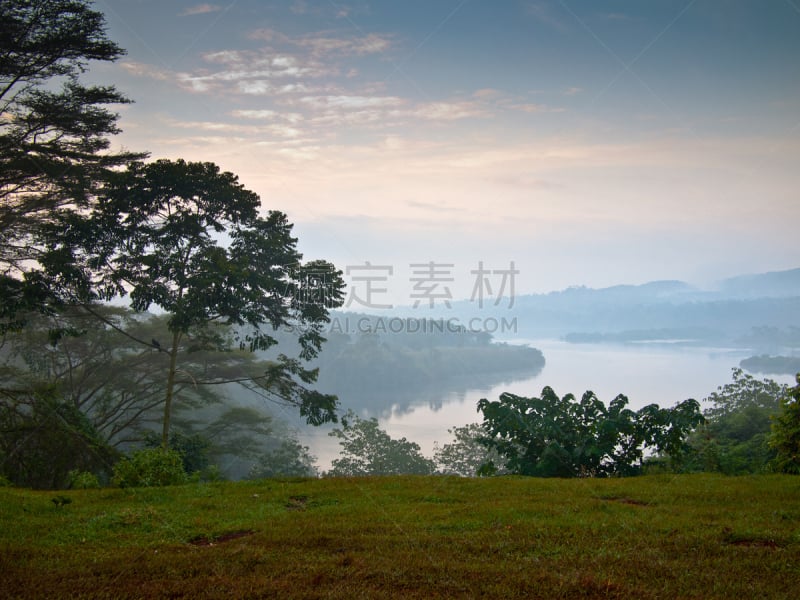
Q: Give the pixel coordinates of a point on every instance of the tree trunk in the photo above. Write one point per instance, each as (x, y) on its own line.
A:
(173, 361)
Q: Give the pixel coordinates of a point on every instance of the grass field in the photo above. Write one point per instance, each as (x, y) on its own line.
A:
(688, 536)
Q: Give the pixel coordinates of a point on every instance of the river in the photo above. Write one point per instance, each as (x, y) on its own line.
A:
(645, 373)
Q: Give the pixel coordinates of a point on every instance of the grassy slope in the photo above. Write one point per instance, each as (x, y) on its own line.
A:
(410, 537)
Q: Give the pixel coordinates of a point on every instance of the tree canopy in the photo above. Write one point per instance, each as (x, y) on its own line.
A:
(467, 453)
(54, 135)
(369, 450)
(559, 437)
(734, 439)
(188, 238)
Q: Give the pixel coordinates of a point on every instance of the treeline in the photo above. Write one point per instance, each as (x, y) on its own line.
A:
(78, 406)
(417, 355)
(775, 365)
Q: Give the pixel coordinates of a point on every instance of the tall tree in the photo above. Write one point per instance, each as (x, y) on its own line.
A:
(188, 238)
(54, 134)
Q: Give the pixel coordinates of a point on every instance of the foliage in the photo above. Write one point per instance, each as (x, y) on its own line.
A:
(108, 376)
(734, 439)
(467, 453)
(43, 438)
(559, 437)
(150, 467)
(289, 459)
(368, 450)
(193, 449)
(154, 235)
(785, 438)
(418, 355)
(54, 142)
(118, 384)
(83, 480)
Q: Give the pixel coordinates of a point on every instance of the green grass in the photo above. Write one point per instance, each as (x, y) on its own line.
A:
(689, 536)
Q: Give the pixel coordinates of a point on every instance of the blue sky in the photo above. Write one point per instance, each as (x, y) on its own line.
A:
(589, 142)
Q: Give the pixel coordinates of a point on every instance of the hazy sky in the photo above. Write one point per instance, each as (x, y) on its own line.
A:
(589, 142)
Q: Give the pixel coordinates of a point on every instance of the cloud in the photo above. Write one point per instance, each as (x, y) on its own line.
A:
(268, 35)
(434, 207)
(369, 44)
(543, 13)
(247, 72)
(282, 130)
(536, 108)
(351, 102)
(256, 114)
(323, 44)
(322, 9)
(447, 111)
(241, 64)
(143, 70)
(487, 93)
(258, 87)
(200, 9)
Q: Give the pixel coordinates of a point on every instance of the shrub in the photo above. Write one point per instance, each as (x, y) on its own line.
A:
(150, 467)
(82, 480)
(785, 438)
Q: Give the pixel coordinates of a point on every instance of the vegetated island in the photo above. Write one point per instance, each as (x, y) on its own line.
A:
(386, 354)
(773, 365)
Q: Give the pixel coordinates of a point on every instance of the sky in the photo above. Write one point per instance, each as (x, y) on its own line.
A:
(572, 142)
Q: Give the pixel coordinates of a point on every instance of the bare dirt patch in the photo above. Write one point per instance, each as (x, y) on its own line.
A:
(626, 500)
(203, 540)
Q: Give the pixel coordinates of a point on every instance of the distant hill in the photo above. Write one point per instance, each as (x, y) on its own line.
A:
(759, 311)
(776, 284)
(772, 365)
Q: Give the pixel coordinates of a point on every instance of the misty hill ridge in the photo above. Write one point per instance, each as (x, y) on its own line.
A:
(775, 284)
(666, 309)
(772, 284)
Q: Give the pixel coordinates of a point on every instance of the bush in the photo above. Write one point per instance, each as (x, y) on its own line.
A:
(83, 480)
(193, 449)
(785, 438)
(150, 467)
(289, 459)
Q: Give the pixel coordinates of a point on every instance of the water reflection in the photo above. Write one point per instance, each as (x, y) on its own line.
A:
(645, 373)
